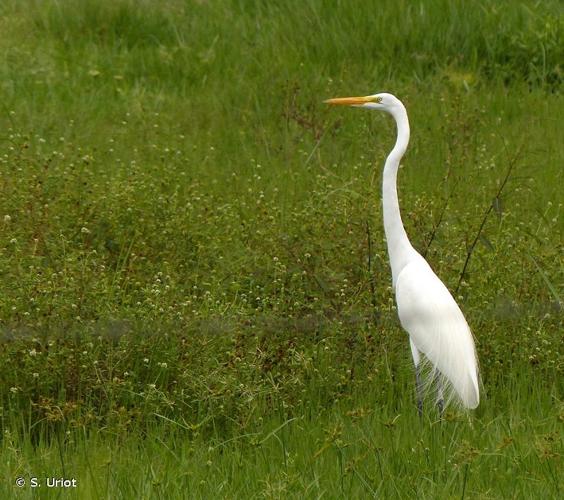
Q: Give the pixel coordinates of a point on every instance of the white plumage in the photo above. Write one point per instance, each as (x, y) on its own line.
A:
(437, 328)
(428, 312)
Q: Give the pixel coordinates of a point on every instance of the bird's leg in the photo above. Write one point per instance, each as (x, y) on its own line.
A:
(440, 396)
(419, 390)
(418, 383)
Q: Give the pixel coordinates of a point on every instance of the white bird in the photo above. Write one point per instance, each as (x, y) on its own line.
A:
(426, 309)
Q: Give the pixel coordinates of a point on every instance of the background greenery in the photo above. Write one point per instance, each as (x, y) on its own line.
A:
(195, 297)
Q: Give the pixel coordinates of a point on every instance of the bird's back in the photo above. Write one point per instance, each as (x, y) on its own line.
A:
(438, 328)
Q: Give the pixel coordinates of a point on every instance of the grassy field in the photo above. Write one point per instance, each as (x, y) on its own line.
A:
(195, 298)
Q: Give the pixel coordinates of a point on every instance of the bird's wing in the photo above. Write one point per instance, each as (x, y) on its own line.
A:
(438, 329)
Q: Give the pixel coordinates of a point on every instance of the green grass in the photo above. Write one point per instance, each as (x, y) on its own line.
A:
(195, 297)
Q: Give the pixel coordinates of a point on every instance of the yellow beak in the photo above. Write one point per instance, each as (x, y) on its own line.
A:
(350, 101)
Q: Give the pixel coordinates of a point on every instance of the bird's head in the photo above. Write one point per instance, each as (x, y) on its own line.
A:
(382, 102)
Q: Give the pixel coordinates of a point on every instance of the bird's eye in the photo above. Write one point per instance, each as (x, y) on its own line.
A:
(378, 99)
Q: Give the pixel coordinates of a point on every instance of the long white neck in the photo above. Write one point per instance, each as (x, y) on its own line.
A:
(399, 247)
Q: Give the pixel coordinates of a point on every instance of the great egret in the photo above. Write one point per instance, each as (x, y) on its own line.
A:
(426, 309)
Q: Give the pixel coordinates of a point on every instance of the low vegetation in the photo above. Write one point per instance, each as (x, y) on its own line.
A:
(195, 299)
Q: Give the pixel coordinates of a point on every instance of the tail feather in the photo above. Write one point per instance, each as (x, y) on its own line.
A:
(456, 360)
